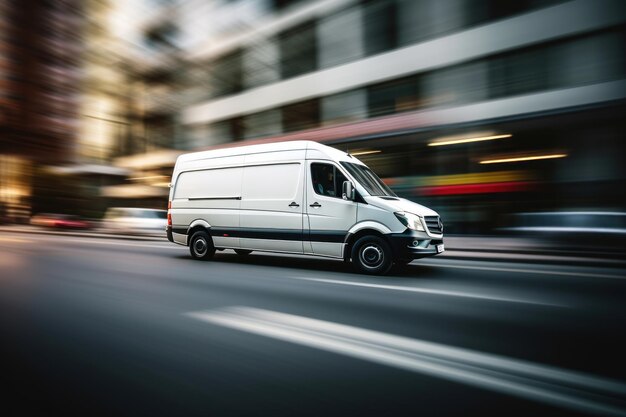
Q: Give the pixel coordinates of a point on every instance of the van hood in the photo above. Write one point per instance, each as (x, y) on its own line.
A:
(399, 204)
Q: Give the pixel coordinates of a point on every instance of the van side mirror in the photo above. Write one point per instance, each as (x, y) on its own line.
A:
(347, 191)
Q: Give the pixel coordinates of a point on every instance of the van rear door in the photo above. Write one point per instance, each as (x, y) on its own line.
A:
(211, 194)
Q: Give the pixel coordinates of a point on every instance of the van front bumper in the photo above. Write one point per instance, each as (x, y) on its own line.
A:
(412, 244)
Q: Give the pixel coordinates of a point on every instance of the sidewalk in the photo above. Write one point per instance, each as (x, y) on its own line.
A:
(524, 249)
(77, 233)
(476, 248)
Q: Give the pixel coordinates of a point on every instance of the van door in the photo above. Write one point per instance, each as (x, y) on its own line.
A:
(272, 205)
(329, 215)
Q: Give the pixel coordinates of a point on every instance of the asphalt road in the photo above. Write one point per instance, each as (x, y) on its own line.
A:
(101, 326)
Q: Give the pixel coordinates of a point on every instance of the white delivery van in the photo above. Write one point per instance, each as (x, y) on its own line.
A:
(296, 197)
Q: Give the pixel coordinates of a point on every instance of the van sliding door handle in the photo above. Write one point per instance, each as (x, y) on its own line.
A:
(316, 204)
(294, 204)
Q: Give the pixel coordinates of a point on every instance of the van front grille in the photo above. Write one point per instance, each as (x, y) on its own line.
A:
(434, 224)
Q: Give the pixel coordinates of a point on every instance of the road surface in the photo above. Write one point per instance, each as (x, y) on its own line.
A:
(103, 326)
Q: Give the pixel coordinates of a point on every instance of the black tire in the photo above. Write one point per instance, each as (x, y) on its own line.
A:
(243, 252)
(201, 246)
(372, 255)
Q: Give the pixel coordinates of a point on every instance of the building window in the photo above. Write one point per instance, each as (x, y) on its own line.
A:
(298, 50)
(380, 26)
(340, 37)
(497, 9)
(422, 20)
(283, 4)
(460, 84)
(344, 107)
(261, 63)
(230, 130)
(393, 96)
(226, 74)
(266, 123)
(519, 73)
(300, 116)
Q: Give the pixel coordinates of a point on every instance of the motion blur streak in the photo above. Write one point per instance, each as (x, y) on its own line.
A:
(360, 153)
(523, 158)
(536, 382)
(468, 140)
(427, 291)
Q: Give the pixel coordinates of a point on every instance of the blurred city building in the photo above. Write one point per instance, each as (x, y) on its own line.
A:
(154, 69)
(477, 108)
(40, 50)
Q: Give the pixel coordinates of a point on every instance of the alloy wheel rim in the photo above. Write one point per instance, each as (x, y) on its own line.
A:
(372, 256)
(200, 246)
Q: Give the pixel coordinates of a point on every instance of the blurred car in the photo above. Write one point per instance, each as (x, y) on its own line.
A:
(129, 220)
(60, 221)
(579, 228)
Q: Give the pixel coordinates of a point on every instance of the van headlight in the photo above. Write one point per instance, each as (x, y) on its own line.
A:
(410, 220)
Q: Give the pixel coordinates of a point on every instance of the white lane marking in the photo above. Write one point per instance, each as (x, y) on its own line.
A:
(559, 387)
(527, 271)
(429, 291)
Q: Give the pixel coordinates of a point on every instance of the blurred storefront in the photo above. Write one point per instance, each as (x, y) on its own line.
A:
(147, 184)
(15, 189)
(476, 176)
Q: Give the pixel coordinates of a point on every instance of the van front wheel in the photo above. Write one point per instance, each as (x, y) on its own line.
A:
(201, 246)
(372, 255)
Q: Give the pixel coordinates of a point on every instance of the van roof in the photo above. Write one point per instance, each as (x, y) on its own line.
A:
(332, 153)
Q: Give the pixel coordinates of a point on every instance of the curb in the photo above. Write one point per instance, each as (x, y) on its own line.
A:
(523, 258)
(84, 234)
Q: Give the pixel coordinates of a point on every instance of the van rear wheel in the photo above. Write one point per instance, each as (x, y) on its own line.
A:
(372, 255)
(201, 246)
(243, 252)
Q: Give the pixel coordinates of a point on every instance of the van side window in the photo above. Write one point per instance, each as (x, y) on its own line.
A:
(327, 179)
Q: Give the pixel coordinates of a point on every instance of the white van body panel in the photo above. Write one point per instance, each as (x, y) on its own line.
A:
(180, 238)
(384, 207)
(272, 198)
(400, 204)
(273, 245)
(265, 198)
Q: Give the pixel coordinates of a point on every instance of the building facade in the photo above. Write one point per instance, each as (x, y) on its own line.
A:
(40, 53)
(477, 108)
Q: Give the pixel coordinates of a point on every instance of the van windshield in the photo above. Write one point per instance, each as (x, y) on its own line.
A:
(370, 181)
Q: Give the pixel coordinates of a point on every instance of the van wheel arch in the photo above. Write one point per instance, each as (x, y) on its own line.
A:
(353, 237)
